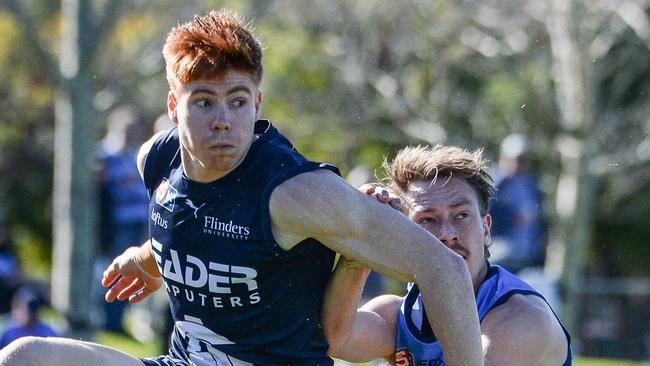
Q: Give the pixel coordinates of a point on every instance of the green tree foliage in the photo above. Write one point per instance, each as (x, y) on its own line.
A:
(25, 142)
(345, 78)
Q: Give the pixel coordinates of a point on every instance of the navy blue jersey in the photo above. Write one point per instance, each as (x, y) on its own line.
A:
(231, 287)
(417, 345)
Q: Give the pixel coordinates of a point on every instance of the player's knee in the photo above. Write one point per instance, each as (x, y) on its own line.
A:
(25, 351)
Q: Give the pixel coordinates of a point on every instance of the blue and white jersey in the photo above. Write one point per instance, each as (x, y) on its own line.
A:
(417, 345)
(232, 289)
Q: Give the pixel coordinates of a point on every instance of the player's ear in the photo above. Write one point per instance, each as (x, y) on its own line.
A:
(487, 225)
(171, 107)
(258, 104)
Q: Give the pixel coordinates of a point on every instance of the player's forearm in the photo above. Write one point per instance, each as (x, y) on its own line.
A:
(340, 304)
(146, 260)
(448, 296)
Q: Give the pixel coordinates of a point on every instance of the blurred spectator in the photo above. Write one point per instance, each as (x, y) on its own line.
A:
(517, 225)
(25, 317)
(162, 123)
(124, 203)
(9, 267)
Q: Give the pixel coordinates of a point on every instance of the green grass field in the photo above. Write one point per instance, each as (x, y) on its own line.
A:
(606, 362)
(129, 345)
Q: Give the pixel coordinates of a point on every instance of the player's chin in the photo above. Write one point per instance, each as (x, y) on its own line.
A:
(223, 163)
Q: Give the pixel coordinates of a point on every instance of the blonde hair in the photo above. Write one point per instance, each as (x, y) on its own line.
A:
(428, 163)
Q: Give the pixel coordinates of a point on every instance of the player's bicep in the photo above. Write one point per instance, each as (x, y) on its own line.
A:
(373, 331)
(387, 306)
(309, 206)
(321, 205)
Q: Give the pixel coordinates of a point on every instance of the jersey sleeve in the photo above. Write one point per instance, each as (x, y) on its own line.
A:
(164, 153)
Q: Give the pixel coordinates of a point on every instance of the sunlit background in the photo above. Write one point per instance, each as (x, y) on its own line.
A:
(350, 82)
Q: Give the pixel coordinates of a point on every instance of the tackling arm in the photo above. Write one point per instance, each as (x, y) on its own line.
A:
(357, 335)
(359, 227)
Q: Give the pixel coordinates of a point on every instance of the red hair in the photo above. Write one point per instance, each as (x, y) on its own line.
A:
(210, 45)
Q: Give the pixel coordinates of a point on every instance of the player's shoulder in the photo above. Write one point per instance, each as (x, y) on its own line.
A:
(302, 206)
(304, 188)
(145, 149)
(524, 309)
(312, 178)
(525, 323)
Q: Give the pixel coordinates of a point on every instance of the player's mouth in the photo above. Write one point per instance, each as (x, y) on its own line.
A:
(221, 146)
(458, 249)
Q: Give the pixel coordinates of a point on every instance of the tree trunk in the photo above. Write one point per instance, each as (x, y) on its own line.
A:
(576, 186)
(75, 202)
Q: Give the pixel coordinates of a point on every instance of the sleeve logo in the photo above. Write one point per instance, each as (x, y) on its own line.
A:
(166, 195)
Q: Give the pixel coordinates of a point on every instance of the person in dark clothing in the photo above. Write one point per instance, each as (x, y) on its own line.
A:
(25, 317)
(124, 202)
(10, 275)
(517, 225)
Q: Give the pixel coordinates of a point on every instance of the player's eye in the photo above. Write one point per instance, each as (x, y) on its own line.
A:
(238, 102)
(203, 103)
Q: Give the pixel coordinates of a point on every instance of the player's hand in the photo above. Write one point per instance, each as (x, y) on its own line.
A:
(383, 195)
(126, 279)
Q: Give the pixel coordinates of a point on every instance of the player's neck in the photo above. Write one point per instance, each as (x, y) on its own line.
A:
(478, 280)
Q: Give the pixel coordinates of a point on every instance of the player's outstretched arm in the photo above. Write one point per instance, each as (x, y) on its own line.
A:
(133, 275)
(347, 328)
(357, 335)
(323, 206)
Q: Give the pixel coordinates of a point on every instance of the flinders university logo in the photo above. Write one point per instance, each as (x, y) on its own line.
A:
(225, 229)
(166, 195)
